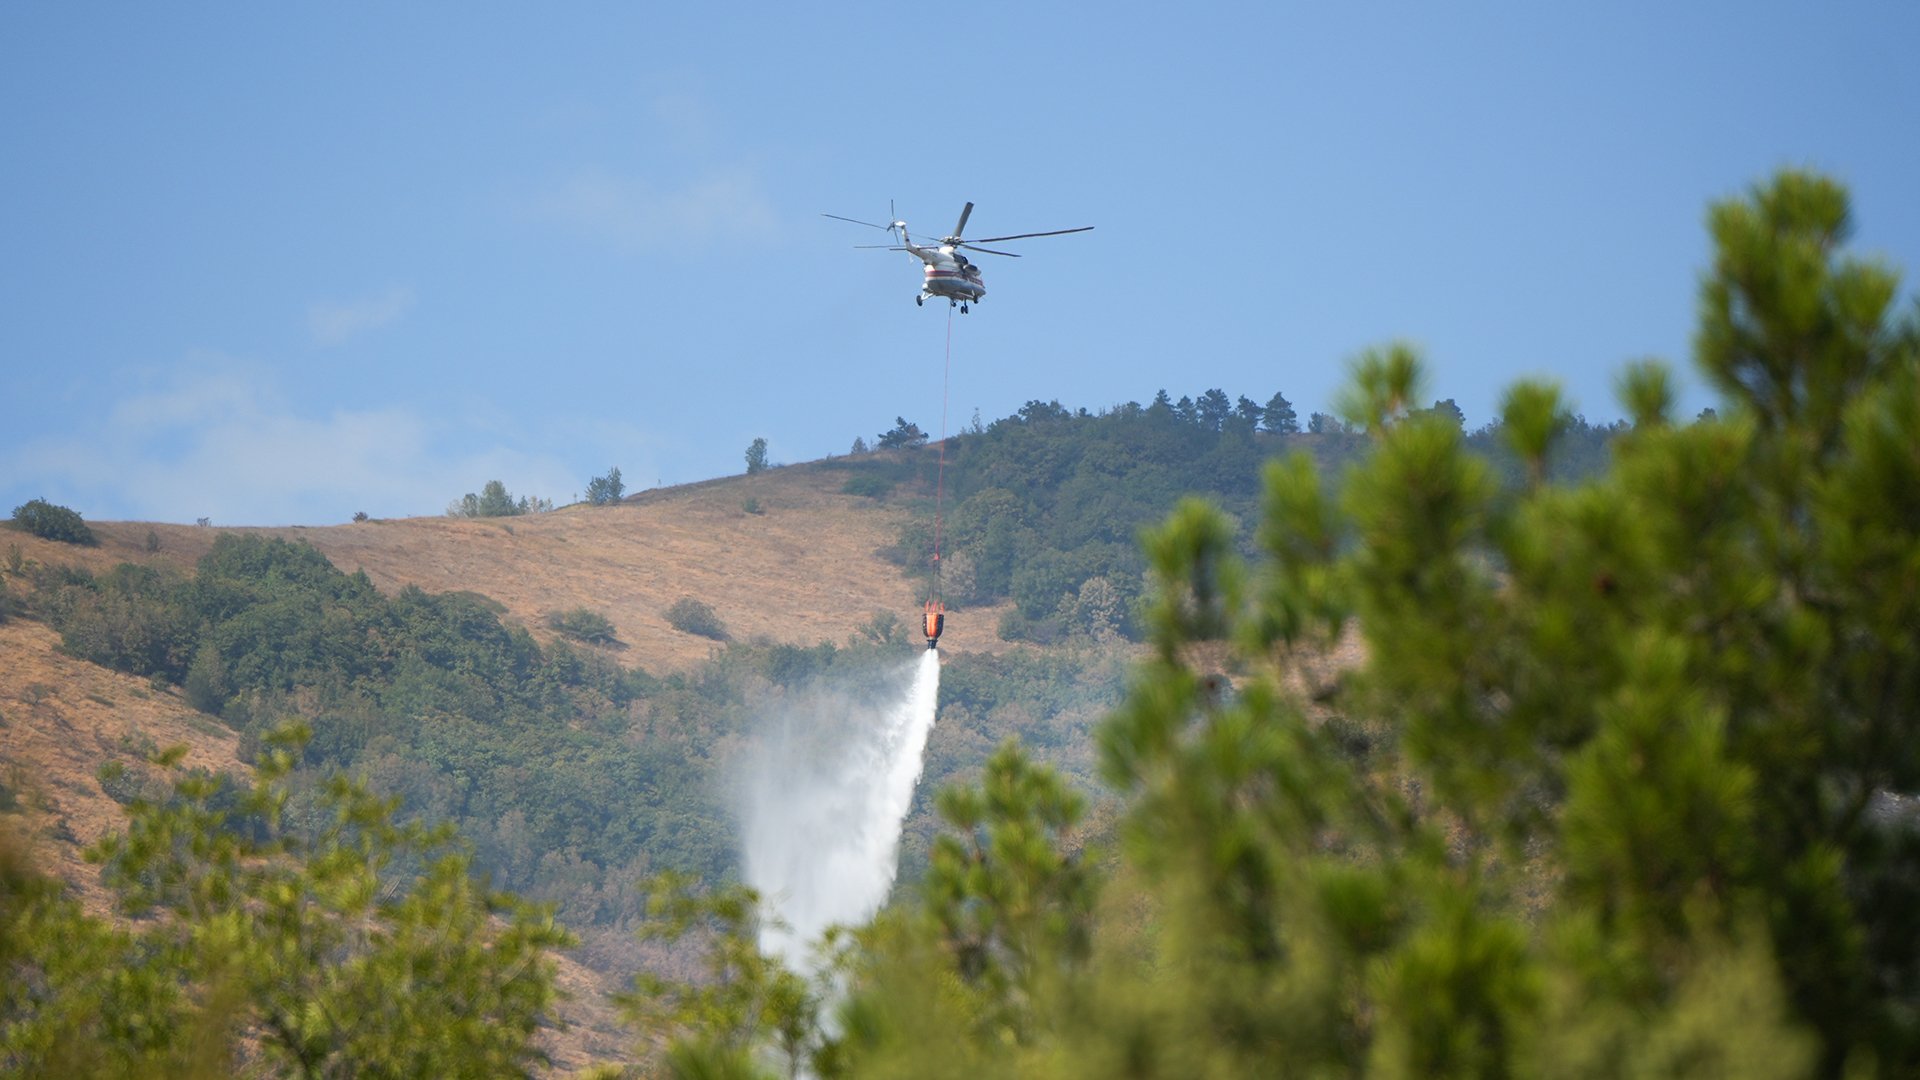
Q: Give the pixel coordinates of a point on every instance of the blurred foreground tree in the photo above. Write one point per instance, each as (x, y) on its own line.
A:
(354, 947)
(745, 1004)
(1599, 801)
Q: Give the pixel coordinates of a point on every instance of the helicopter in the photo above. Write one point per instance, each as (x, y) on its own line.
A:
(949, 273)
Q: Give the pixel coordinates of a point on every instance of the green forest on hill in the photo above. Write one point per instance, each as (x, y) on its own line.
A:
(1622, 787)
(1045, 507)
(572, 777)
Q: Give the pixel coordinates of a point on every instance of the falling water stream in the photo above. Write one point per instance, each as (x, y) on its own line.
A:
(826, 791)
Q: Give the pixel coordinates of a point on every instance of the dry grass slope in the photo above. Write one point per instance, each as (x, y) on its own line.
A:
(801, 571)
(60, 720)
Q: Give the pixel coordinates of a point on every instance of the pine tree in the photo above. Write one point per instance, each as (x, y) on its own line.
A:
(1213, 409)
(605, 490)
(1280, 417)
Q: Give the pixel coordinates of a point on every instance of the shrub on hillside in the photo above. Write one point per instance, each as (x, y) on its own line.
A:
(904, 434)
(581, 624)
(50, 522)
(691, 616)
(873, 487)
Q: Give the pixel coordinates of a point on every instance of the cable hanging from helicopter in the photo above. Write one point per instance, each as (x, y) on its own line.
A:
(934, 617)
(946, 273)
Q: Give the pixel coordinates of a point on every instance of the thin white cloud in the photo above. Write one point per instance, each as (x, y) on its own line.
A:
(335, 323)
(634, 214)
(226, 444)
(688, 119)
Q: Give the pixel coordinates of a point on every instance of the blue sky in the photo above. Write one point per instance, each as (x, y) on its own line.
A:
(273, 264)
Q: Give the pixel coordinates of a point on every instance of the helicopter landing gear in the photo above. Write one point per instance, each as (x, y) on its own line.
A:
(919, 300)
(963, 309)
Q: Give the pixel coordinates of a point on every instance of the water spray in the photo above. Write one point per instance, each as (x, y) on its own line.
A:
(826, 790)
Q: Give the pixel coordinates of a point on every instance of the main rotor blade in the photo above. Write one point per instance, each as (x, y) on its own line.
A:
(971, 246)
(965, 213)
(878, 247)
(1025, 235)
(857, 221)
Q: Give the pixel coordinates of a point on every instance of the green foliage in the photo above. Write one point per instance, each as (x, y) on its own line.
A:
(744, 1000)
(79, 997)
(122, 619)
(904, 434)
(1450, 411)
(1049, 499)
(1384, 384)
(583, 624)
(696, 617)
(314, 947)
(1009, 898)
(605, 490)
(466, 719)
(1589, 837)
(883, 628)
(1279, 417)
(1534, 419)
(756, 456)
(868, 485)
(50, 522)
(494, 501)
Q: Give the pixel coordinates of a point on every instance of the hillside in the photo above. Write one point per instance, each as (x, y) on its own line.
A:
(62, 719)
(569, 795)
(802, 570)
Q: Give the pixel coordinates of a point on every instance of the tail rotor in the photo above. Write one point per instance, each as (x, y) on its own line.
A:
(894, 226)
